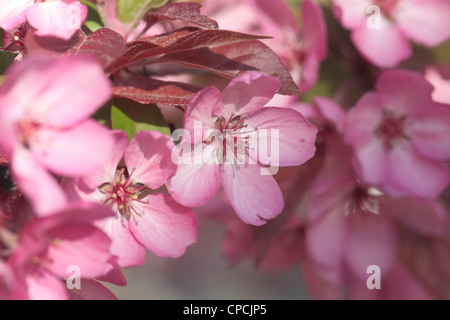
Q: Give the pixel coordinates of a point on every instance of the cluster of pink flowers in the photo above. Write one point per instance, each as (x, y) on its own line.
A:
(312, 146)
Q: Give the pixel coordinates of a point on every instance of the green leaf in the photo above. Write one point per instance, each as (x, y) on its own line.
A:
(94, 20)
(6, 59)
(2, 32)
(132, 11)
(132, 117)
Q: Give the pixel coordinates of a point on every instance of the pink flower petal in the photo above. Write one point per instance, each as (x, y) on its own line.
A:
(410, 173)
(425, 22)
(75, 151)
(84, 246)
(431, 133)
(248, 93)
(42, 285)
(91, 290)
(384, 47)
(314, 29)
(148, 158)
(200, 111)
(165, 227)
(38, 186)
(107, 171)
(293, 136)
(196, 182)
(427, 217)
(57, 18)
(372, 240)
(254, 196)
(78, 87)
(406, 92)
(351, 13)
(124, 245)
(331, 111)
(13, 12)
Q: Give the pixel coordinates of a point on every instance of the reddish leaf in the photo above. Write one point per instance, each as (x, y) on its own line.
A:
(179, 40)
(105, 45)
(184, 11)
(231, 60)
(147, 91)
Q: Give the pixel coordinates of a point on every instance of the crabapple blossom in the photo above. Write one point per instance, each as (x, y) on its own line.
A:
(36, 134)
(48, 246)
(49, 17)
(145, 218)
(400, 136)
(229, 120)
(386, 43)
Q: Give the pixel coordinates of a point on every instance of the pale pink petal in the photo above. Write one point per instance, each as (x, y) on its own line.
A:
(57, 18)
(42, 285)
(75, 151)
(326, 237)
(372, 240)
(430, 133)
(84, 246)
(148, 158)
(314, 29)
(273, 16)
(351, 13)
(384, 47)
(13, 12)
(91, 290)
(107, 171)
(427, 217)
(124, 245)
(415, 175)
(78, 87)
(425, 22)
(197, 181)
(200, 113)
(248, 93)
(405, 92)
(38, 186)
(164, 227)
(288, 131)
(253, 193)
(371, 162)
(331, 111)
(441, 83)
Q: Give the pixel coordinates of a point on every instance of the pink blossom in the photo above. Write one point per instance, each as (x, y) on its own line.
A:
(383, 38)
(49, 246)
(439, 77)
(352, 226)
(400, 136)
(49, 17)
(232, 122)
(36, 133)
(144, 218)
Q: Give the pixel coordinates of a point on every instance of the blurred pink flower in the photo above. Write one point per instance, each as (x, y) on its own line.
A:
(400, 136)
(36, 133)
(439, 77)
(383, 37)
(224, 153)
(49, 246)
(300, 47)
(144, 218)
(49, 17)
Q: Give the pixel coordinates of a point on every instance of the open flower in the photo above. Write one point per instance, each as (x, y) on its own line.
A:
(383, 37)
(44, 125)
(50, 247)
(49, 17)
(400, 136)
(144, 218)
(232, 147)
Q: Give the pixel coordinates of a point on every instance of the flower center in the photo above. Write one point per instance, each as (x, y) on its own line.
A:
(392, 129)
(27, 131)
(18, 39)
(235, 137)
(123, 193)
